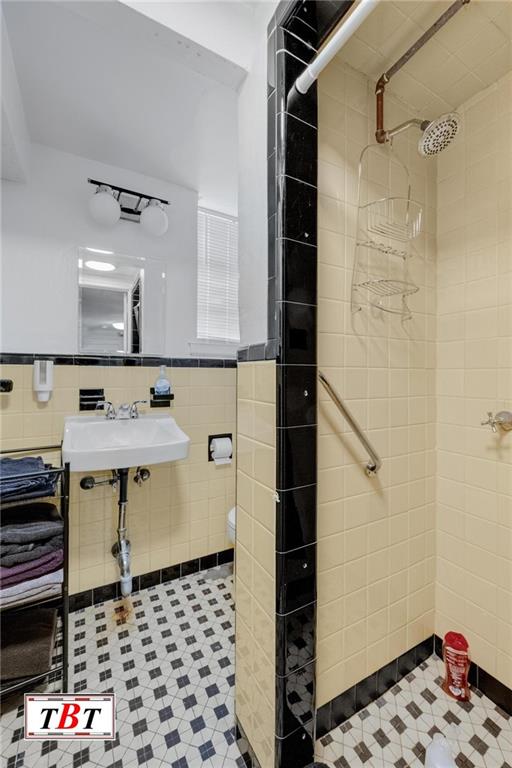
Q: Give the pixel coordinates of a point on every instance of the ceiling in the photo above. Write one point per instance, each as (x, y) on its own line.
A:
(228, 28)
(473, 50)
(101, 81)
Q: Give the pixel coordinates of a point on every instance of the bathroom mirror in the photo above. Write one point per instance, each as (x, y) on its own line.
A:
(114, 316)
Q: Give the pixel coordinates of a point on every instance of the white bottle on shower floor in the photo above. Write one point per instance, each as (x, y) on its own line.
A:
(439, 753)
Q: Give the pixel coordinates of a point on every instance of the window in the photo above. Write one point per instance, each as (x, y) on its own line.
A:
(217, 278)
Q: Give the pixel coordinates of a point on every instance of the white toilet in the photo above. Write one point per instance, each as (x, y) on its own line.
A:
(231, 532)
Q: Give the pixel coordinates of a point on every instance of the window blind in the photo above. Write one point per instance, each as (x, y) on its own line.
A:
(217, 279)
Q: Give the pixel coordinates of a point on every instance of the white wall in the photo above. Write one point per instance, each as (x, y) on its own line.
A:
(223, 28)
(129, 105)
(252, 190)
(47, 218)
(15, 141)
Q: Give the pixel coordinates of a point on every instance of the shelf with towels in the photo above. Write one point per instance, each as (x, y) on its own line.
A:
(41, 505)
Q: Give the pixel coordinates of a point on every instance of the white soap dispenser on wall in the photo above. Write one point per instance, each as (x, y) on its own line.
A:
(43, 379)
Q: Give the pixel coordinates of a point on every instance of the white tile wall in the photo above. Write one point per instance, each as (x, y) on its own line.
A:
(376, 537)
(474, 513)
(181, 512)
(255, 556)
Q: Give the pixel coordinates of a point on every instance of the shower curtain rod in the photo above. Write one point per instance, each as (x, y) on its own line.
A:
(349, 27)
(335, 44)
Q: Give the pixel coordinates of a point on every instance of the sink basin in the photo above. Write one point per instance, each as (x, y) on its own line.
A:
(95, 443)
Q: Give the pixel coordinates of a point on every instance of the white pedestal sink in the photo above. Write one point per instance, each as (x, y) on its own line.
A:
(93, 443)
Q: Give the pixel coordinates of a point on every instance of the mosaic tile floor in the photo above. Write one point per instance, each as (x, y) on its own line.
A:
(168, 655)
(394, 731)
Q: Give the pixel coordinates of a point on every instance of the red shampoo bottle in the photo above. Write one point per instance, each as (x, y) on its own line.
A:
(457, 660)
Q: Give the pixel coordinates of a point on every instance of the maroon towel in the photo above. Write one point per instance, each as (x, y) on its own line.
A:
(31, 570)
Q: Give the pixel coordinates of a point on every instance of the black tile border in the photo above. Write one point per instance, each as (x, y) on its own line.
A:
(115, 361)
(343, 707)
(368, 690)
(161, 576)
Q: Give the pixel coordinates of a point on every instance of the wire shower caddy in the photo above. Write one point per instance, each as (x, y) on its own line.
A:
(385, 228)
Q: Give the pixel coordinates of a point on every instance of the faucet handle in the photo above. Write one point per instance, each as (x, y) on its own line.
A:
(134, 411)
(491, 422)
(110, 411)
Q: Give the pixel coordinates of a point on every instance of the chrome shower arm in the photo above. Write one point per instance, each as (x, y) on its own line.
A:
(421, 124)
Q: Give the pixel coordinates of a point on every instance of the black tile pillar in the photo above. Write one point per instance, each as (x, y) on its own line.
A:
(292, 207)
(295, 33)
(294, 36)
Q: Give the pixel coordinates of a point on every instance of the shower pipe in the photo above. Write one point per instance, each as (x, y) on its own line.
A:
(375, 462)
(335, 44)
(380, 134)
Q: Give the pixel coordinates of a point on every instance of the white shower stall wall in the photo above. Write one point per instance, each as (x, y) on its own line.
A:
(427, 545)
(474, 376)
(376, 541)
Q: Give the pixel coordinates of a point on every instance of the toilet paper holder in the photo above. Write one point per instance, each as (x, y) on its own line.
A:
(211, 438)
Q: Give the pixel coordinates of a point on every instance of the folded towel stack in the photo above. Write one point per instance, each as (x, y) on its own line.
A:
(14, 480)
(31, 553)
(13, 554)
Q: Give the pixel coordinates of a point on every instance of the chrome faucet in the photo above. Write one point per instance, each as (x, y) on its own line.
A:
(503, 419)
(110, 411)
(134, 411)
(124, 411)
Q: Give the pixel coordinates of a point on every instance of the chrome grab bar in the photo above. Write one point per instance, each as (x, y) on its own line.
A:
(375, 462)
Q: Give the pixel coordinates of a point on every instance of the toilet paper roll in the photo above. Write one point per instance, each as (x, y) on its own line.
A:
(221, 450)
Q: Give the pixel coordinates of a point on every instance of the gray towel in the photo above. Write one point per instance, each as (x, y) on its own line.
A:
(19, 593)
(15, 549)
(29, 523)
(17, 534)
(30, 552)
(29, 653)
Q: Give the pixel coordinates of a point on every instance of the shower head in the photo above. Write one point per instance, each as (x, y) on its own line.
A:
(438, 134)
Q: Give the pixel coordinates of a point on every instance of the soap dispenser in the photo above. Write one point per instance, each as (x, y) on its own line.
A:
(162, 384)
(43, 379)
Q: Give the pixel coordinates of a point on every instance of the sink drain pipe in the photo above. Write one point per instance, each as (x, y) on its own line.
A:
(121, 549)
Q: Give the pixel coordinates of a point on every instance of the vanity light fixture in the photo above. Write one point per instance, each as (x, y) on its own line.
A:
(154, 219)
(100, 266)
(118, 326)
(104, 207)
(132, 206)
